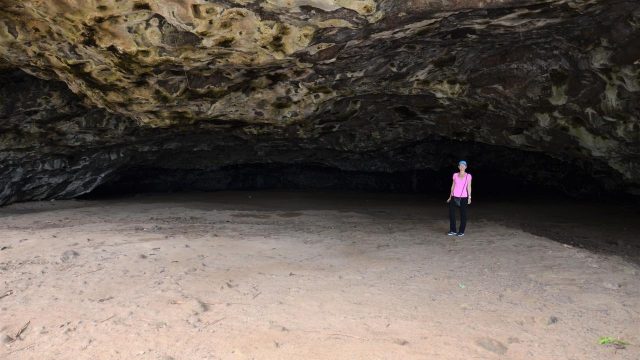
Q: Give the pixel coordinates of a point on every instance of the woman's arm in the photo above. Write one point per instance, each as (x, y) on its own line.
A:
(469, 191)
(453, 184)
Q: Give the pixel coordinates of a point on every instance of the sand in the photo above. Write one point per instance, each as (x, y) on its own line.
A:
(310, 275)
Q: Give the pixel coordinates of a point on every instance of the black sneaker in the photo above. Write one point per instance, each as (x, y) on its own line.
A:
(460, 234)
(452, 233)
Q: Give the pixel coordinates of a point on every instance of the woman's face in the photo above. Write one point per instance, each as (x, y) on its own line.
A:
(462, 167)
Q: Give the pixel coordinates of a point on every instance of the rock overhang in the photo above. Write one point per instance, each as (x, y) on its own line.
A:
(555, 77)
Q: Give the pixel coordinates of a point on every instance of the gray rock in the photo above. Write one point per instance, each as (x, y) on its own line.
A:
(492, 345)
(69, 255)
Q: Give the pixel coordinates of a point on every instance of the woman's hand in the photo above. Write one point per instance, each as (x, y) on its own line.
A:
(449, 199)
(469, 201)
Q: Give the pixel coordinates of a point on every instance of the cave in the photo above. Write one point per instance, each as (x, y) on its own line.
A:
(268, 179)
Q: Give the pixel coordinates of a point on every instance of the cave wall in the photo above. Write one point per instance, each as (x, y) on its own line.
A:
(90, 90)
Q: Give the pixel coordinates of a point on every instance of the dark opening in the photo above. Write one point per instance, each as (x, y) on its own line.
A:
(424, 167)
(532, 176)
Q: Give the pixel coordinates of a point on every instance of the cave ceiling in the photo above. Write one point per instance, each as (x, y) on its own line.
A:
(90, 87)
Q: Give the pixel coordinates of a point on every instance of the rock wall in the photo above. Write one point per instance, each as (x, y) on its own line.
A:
(93, 88)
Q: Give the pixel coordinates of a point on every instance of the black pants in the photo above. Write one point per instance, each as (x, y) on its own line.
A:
(463, 215)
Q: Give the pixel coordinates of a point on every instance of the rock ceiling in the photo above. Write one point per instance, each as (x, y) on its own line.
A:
(559, 78)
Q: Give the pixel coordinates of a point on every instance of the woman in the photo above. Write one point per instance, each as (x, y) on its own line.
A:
(461, 194)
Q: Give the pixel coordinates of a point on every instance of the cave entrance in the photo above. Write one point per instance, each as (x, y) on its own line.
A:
(528, 191)
(422, 168)
(489, 182)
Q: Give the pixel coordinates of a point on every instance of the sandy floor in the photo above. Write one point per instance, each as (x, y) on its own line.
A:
(283, 275)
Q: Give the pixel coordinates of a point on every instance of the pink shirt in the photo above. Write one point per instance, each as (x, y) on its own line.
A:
(461, 185)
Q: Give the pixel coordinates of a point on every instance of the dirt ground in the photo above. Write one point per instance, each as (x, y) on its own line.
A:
(311, 275)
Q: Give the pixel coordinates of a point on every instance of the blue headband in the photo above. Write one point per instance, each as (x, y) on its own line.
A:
(462, 162)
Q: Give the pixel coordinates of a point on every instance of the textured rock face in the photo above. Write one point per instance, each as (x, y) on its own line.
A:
(355, 85)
